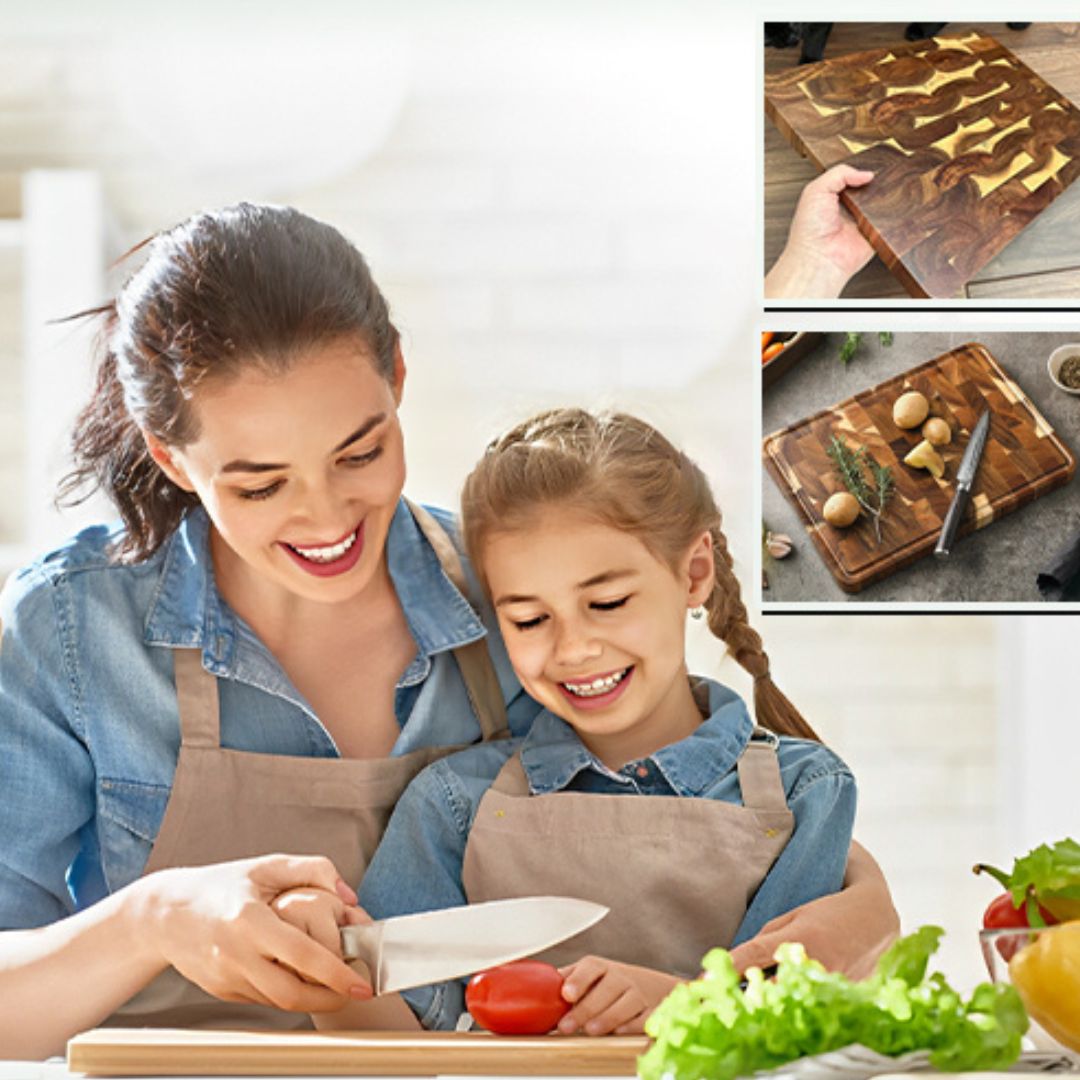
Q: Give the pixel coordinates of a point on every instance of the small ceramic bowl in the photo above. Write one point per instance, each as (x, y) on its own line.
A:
(1057, 358)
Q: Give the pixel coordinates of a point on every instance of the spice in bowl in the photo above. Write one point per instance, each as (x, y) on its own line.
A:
(1064, 367)
(1069, 372)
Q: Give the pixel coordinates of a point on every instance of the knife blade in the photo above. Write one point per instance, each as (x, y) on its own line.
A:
(965, 477)
(434, 946)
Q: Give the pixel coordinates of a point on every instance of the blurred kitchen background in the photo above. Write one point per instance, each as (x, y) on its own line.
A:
(562, 206)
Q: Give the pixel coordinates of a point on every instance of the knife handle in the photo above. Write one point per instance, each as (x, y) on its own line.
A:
(952, 521)
(364, 944)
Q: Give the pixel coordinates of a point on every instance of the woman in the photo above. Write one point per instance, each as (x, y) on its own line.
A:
(257, 661)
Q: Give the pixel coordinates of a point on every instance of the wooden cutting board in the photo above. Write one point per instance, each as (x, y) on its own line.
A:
(167, 1052)
(1022, 460)
(967, 145)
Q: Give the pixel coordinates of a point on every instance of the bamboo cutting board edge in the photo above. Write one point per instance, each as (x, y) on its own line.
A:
(919, 546)
(183, 1052)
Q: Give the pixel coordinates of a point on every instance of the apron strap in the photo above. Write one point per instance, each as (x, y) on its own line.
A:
(197, 700)
(758, 765)
(511, 779)
(473, 659)
(759, 773)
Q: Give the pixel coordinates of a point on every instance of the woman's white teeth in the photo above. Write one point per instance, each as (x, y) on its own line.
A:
(597, 686)
(326, 554)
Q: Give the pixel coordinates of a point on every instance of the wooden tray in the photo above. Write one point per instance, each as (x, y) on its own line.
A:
(168, 1052)
(796, 347)
(1022, 460)
(967, 145)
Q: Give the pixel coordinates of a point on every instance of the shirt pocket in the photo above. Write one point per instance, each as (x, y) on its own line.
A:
(129, 817)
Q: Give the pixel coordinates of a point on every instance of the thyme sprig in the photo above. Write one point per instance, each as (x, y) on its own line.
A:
(870, 482)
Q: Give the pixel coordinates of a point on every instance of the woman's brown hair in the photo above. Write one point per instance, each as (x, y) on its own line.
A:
(622, 472)
(243, 286)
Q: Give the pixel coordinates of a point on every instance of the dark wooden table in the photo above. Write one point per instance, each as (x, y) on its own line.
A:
(1042, 262)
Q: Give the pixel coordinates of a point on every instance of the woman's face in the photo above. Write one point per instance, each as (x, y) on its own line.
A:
(300, 472)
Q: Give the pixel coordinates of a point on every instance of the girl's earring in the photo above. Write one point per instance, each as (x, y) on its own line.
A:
(697, 612)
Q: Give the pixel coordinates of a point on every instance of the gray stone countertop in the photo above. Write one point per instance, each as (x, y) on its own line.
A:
(996, 564)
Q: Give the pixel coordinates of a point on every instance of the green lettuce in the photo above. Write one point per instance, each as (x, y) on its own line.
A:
(716, 1028)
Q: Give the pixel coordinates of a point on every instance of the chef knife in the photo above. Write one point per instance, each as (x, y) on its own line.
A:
(433, 946)
(965, 476)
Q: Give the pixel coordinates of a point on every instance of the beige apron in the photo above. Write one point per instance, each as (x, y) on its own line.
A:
(232, 804)
(677, 873)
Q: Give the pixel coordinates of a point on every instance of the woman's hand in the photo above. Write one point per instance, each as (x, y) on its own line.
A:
(824, 246)
(846, 931)
(213, 923)
(217, 926)
(611, 998)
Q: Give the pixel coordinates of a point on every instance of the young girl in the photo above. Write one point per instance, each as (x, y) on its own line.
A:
(638, 787)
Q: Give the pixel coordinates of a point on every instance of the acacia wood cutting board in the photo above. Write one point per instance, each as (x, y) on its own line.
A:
(1023, 459)
(966, 142)
(167, 1052)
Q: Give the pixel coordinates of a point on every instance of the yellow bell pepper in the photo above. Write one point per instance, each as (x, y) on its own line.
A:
(1047, 975)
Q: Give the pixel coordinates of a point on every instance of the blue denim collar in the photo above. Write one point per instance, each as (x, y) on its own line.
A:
(552, 754)
(188, 611)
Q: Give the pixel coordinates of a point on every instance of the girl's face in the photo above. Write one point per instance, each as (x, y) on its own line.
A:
(594, 624)
(299, 472)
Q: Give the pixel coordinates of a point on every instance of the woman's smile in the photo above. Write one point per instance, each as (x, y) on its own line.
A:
(331, 559)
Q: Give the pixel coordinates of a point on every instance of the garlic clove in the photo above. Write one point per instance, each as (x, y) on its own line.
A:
(778, 545)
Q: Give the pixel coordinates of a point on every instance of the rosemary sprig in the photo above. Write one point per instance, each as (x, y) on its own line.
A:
(856, 469)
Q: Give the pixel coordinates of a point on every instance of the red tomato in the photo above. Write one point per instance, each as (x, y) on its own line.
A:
(1002, 915)
(520, 998)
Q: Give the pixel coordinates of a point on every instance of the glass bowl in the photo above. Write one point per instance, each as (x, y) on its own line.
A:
(1043, 963)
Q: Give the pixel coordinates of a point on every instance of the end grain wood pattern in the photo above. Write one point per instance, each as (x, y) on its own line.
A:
(1023, 459)
(966, 142)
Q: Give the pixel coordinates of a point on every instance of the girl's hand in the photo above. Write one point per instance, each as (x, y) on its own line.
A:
(319, 914)
(216, 925)
(611, 998)
(846, 931)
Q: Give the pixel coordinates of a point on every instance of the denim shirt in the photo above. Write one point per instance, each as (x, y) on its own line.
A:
(418, 865)
(89, 727)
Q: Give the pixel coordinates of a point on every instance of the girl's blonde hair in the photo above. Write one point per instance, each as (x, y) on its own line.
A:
(622, 472)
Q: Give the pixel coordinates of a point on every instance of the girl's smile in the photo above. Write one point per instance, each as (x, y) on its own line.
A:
(598, 692)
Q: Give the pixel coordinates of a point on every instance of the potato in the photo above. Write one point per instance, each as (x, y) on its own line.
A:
(910, 409)
(841, 509)
(924, 456)
(937, 431)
